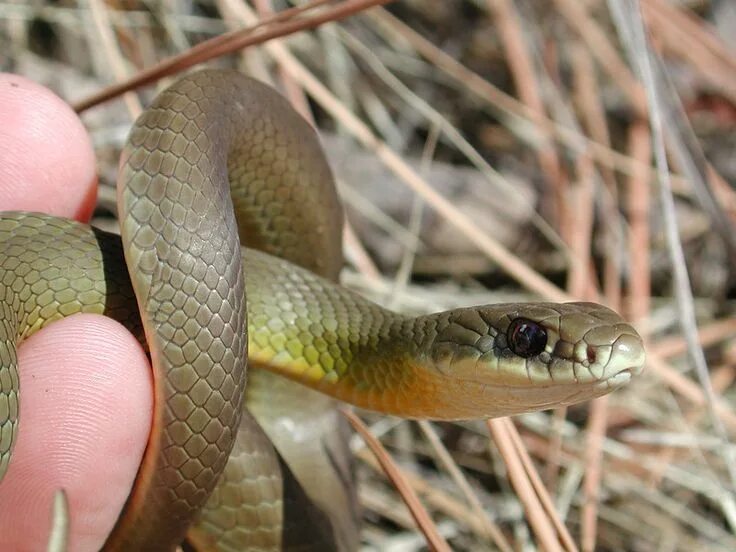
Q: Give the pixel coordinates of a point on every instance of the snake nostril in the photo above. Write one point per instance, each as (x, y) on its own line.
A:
(591, 354)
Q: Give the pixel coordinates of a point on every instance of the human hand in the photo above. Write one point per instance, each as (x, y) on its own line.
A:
(86, 399)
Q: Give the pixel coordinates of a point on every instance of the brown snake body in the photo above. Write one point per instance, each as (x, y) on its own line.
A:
(182, 249)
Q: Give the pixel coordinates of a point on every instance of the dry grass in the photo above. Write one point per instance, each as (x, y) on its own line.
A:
(534, 92)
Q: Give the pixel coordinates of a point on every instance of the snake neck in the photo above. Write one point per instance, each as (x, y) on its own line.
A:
(328, 338)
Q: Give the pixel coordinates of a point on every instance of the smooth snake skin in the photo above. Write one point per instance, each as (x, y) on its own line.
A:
(182, 248)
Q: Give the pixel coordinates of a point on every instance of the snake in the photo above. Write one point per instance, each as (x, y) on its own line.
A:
(228, 256)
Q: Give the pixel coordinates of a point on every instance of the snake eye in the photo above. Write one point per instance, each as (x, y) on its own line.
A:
(526, 338)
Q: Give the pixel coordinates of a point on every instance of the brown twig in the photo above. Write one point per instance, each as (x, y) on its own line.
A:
(599, 45)
(281, 24)
(420, 515)
(638, 202)
(522, 69)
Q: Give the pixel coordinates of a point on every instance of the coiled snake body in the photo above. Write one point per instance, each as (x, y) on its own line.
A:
(181, 248)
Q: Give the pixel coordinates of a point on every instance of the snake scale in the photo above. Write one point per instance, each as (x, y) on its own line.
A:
(230, 248)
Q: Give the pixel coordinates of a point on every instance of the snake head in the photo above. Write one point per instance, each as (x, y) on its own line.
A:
(523, 357)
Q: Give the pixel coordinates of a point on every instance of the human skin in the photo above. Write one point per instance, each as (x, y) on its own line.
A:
(86, 399)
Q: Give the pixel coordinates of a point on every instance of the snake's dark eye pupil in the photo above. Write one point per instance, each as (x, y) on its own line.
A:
(526, 338)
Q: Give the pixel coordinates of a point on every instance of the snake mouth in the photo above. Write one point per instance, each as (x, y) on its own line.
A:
(619, 379)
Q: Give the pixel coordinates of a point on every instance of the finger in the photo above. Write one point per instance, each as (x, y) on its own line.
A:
(85, 414)
(46, 158)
